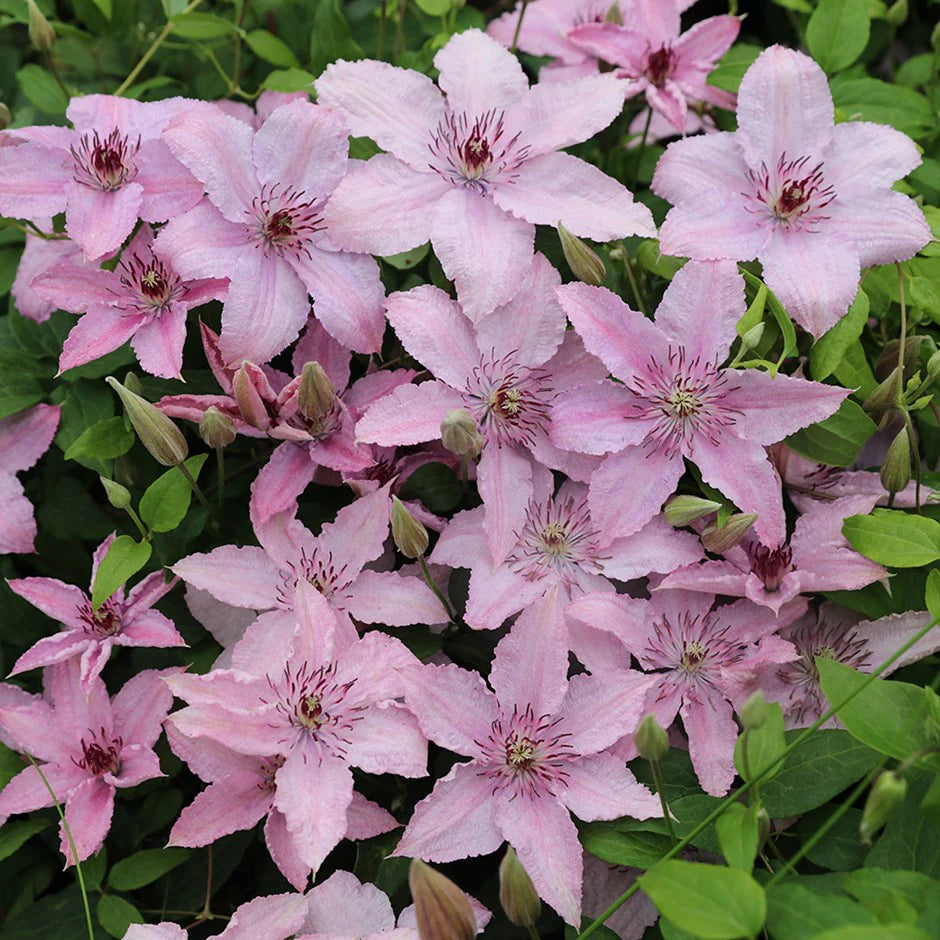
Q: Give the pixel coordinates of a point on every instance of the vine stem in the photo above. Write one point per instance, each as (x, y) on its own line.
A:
(515, 35)
(744, 788)
(658, 782)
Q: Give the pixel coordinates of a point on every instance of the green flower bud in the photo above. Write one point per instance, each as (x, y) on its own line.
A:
(584, 262)
(316, 394)
(216, 428)
(41, 33)
(651, 740)
(118, 496)
(933, 367)
(5, 117)
(885, 796)
(156, 431)
(896, 467)
(751, 339)
(517, 894)
(681, 510)
(753, 713)
(614, 15)
(886, 398)
(763, 828)
(896, 14)
(132, 384)
(442, 910)
(720, 538)
(409, 535)
(935, 38)
(460, 434)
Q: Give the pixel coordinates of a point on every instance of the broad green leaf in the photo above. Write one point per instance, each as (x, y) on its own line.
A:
(708, 901)
(829, 350)
(42, 90)
(11, 763)
(841, 850)
(14, 834)
(200, 26)
(104, 440)
(435, 485)
(94, 869)
(930, 806)
(652, 259)
(18, 393)
(166, 501)
(838, 439)
(757, 748)
(932, 594)
(116, 915)
(144, 867)
(870, 99)
(754, 313)
(330, 38)
(794, 912)
(173, 7)
(854, 372)
(405, 260)
(617, 846)
(433, 7)
(738, 835)
(60, 916)
(925, 294)
(894, 538)
(732, 66)
(910, 840)
(271, 48)
(878, 932)
(104, 6)
(921, 891)
(289, 80)
(837, 32)
(124, 559)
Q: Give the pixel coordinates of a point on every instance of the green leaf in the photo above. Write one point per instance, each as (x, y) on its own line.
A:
(634, 848)
(854, 372)
(910, 840)
(932, 594)
(124, 559)
(145, 867)
(41, 88)
(878, 932)
(116, 915)
(870, 99)
(732, 66)
(94, 869)
(288, 80)
(408, 259)
(330, 38)
(924, 293)
(739, 835)
(104, 440)
(838, 439)
(166, 501)
(14, 834)
(837, 32)
(433, 7)
(787, 330)
(200, 26)
(172, 7)
(761, 746)
(652, 259)
(17, 393)
(104, 6)
(920, 891)
(708, 901)
(435, 485)
(60, 915)
(10, 763)
(271, 48)
(829, 350)
(894, 538)
(794, 912)
(841, 849)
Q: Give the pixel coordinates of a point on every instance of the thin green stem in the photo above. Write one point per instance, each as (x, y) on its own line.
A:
(193, 484)
(220, 466)
(380, 44)
(658, 783)
(533, 933)
(515, 35)
(735, 796)
(56, 74)
(141, 528)
(241, 6)
(639, 157)
(426, 574)
(634, 283)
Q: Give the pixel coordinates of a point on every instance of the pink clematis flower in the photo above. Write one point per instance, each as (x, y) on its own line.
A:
(815, 558)
(87, 746)
(677, 402)
(241, 791)
(704, 662)
(105, 174)
(300, 691)
(263, 228)
(143, 300)
(841, 635)
(89, 635)
(476, 171)
(39, 255)
(536, 754)
(505, 373)
(652, 57)
(24, 438)
(558, 546)
(811, 201)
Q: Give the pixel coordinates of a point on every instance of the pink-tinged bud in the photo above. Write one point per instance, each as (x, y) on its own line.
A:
(720, 538)
(584, 262)
(317, 393)
(885, 796)
(216, 429)
(247, 385)
(156, 431)
(896, 467)
(460, 434)
(5, 117)
(442, 910)
(118, 496)
(650, 739)
(754, 712)
(409, 535)
(517, 894)
(681, 510)
(41, 33)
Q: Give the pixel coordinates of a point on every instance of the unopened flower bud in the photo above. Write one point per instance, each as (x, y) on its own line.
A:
(753, 713)
(216, 428)
(442, 910)
(5, 117)
(156, 431)
(460, 434)
(118, 496)
(614, 15)
(763, 828)
(885, 796)
(681, 510)
(41, 33)
(650, 739)
(933, 367)
(409, 535)
(896, 467)
(720, 538)
(316, 394)
(935, 38)
(897, 13)
(886, 397)
(517, 894)
(250, 403)
(752, 337)
(584, 262)
(132, 383)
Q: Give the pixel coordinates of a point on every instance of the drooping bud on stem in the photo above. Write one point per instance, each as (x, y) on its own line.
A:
(216, 428)
(41, 33)
(886, 398)
(720, 538)
(885, 796)
(409, 534)
(517, 894)
(316, 394)
(442, 910)
(584, 262)
(681, 510)
(460, 434)
(753, 713)
(118, 496)
(896, 467)
(651, 740)
(752, 337)
(156, 431)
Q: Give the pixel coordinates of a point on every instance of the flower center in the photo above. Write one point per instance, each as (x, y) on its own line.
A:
(660, 66)
(792, 195)
(691, 647)
(103, 622)
(771, 564)
(683, 402)
(520, 752)
(105, 163)
(283, 220)
(320, 572)
(693, 656)
(152, 283)
(100, 758)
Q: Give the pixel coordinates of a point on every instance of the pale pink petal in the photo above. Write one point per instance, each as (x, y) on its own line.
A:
(864, 155)
(398, 108)
(76, 287)
(700, 165)
(234, 803)
(150, 629)
(26, 436)
(138, 763)
(887, 634)
(159, 343)
(54, 649)
(670, 102)
(546, 841)
(557, 187)
(202, 243)
(592, 419)
(88, 813)
(99, 221)
(316, 345)
(373, 386)
(601, 787)
(710, 226)
(712, 577)
(33, 728)
(281, 481)
(411, 414)
(617, 694)
(478, 74)
(660, 21)
(207, 759)
(885, 226)
(105, 112)
(596, 650)
(496, 594)
(284, 851)
(250, 734)
(393, 599)
(706, 42)
(365, 819)
(456, 821)
(140, 707)
(481, 247)
(656, 547)
(169, 188)
(339, 450)
(242, 577)
(712, 734)
(342, 906)
(388, 740)
(26, 791)
(278, 915)
(32, 181)
(357, 534)
(463, 543)
(504, 480)
(614, 44)
(56, 599)
(40, 255)
(97, 333)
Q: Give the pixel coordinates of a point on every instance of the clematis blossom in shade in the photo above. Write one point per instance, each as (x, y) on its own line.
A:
(24, 438)
(815, 558)
(40, 255)
(537, 755)
(301, 691)
(475, 171)
(676, 402)
(105, 174)
(505, 372)
(653, 58)
(143, 300)
(705, 663)
(812, 201)
(262, 226)
(87, 746)
(87, 634)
